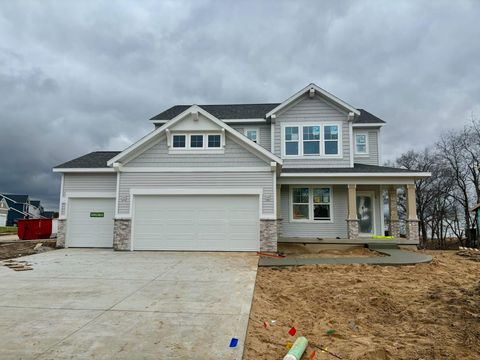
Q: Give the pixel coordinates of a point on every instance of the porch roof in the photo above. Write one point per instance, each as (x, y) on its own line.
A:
(357, 168)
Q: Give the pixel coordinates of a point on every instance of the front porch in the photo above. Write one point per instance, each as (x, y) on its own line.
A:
(351, 209)
(347, 241)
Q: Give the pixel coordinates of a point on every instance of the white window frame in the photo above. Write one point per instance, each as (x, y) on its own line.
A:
(366, 153)
(257, 132)
(311, 218)
(322, 154)
(192, 150)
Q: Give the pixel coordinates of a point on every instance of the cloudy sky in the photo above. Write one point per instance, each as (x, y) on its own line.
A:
(78, 76)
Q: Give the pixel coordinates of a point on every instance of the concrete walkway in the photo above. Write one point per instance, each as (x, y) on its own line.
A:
(394, 257)
(101, 304)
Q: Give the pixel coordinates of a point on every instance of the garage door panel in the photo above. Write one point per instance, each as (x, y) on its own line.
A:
(198, 222)
(86, 230)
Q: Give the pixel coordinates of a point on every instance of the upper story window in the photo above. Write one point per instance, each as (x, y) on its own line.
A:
(196, 142)
(179, 141)
(252, 134)
(214, 141)
(361, 144)
(321, 140)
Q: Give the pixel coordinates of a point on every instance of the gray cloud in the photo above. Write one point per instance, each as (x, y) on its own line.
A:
(82, 76)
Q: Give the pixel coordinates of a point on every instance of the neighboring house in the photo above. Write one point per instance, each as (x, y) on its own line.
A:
(3, 211)
(35, 209)
(238, 178)
(18, 206)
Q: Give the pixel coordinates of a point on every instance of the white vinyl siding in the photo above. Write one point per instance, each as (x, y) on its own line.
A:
(307, 110)
(372, 158)
(196, 222)
(202, 180)
(89, 183)
(234, 155)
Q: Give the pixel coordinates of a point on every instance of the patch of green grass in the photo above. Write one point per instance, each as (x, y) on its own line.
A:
(8, 229)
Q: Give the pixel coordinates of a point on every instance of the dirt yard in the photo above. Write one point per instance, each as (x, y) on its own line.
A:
(25, 247)
(429, 311)
(315, 251)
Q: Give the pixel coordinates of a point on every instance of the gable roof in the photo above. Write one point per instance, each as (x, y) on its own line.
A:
(249, 111)
(315, 89)
(191, 110)
(223, 112)
(96, 159)
(15, 199)
(265, 110)
(35, 203)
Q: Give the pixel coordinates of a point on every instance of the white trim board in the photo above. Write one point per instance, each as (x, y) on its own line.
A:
(83, 170)
(227, 121)
(196, 169)
(362, 125)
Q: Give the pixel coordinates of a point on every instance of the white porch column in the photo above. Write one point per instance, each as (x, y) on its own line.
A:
(394, 223)
(412, 219)
(352, 220)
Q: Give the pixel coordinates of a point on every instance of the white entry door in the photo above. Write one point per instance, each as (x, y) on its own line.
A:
(90, 222)
(3, 219)
(196, 222)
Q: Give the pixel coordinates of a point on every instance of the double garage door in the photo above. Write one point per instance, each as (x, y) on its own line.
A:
(171, 222)
(196, 222)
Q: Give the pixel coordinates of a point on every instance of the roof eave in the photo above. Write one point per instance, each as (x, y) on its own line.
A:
(416, 175)
(88, 170)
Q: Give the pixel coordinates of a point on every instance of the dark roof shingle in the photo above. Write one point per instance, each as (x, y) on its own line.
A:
(96, 159)
(248, 111)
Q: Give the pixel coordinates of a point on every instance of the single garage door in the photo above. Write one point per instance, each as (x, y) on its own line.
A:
(196, 222)
(90, 222)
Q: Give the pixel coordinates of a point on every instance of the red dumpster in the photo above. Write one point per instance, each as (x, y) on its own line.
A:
(32, 229)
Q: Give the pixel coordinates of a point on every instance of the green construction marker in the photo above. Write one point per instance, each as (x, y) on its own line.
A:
(297, 349)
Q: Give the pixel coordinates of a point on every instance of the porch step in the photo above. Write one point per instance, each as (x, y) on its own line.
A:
(374, 246)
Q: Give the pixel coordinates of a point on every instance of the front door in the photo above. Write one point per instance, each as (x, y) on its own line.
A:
(365, 213)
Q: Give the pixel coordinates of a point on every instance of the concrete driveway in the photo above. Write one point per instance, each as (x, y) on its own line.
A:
(100, 304)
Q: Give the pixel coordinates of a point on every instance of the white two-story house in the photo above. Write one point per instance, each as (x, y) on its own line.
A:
(239, 177)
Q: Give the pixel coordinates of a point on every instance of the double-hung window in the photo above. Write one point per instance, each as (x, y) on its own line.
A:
(291, 140)
(331, 139)
(311, 203)
(312, 140)
(361, 144)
